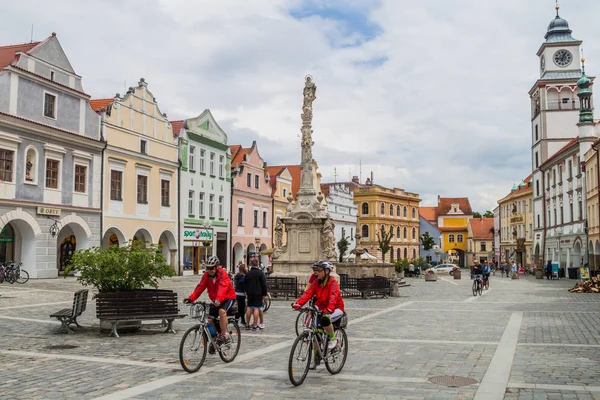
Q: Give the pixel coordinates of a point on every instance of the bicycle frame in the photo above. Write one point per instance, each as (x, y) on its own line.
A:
(315, 335)
(199, 311)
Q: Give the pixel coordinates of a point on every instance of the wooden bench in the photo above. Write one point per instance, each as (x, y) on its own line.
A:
(68, 316)
(282, 286)
(373, 286)
(146, 304)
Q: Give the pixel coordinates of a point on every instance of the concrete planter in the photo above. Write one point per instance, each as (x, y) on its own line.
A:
(430, 277)
(457, 274)
(539, 274)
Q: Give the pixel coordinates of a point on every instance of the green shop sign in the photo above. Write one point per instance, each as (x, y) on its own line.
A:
(197, 234)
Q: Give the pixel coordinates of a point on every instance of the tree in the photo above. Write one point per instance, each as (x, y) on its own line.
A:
(427, 241)
(488, 214)
(476, 214)
(384, 238)
(342, 246)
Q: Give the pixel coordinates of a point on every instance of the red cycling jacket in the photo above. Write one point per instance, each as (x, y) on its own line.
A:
(220, 288)
(327, 296)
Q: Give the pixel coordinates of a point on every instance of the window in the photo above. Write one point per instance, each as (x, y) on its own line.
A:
(365, 208)
(414, 212)
(398, 232)
(414, 233)
(212, 164)
(211, 205)
(221, 167)
(536, 132)
(80, 177)
(580, 210)
(571, 212)
(392, 253)
(414, 254)
(116, 180)
(165, 193)
(538, 221)
(240, 216)
(144, 146)
(405, 212)
(142, 189)
(450, 238)
(382, 208)
(537, 187)
(192, 164)
(49, 105)
(482, 246)
(221, 207)
(256, 218)
(570, 166)
(405, 233)
(459, 238)
(398, 252)
(256, 181)
(52, 173)
(201, 204)
(398, 213)
(351, 234)
(405, 253)
(249, 179)
(264, 219)
(6, 165)
(560, 174)
(285, 193)
(561, 215)
(537, 163)
(191, 203)
(52, 75)
(202, 156)
(365, 231)
(391, 210)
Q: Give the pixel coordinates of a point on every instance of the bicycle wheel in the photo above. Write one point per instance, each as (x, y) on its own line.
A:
(475, 287)
(335, 359)
(23, 277)
(300, 357)
(192, 350)
(267, 302)
(302, 320)
(480, 288)
(229, 350)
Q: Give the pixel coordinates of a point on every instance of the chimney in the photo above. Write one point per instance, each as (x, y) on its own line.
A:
(355, 179)
(372, 177)
(438, 199)
(368, 182)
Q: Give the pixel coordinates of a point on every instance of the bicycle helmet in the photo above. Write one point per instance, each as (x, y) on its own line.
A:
(212, 261)
(323, 264)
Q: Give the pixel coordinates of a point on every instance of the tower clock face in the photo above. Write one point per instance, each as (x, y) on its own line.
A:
(543, 63)
(562, 58)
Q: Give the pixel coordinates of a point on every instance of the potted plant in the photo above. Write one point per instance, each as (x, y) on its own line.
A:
(539, 273)
(135, 266)
(430, 276)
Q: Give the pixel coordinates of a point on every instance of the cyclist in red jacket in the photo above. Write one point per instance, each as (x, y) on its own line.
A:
(328, 298)
(220, 291)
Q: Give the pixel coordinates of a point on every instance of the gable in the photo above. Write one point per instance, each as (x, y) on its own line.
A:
(52, 52)
(205, 126)
(285, 174)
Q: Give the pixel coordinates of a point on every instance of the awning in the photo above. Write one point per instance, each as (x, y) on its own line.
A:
(266, 252)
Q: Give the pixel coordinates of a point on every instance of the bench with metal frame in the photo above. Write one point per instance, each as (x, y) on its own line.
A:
(68, 316)
(282, 286)
(373, 286)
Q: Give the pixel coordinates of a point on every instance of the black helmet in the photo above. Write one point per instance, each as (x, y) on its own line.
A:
(323, 264)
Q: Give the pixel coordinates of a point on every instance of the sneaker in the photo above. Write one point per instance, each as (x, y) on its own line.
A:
(254, 328)
(332, 344)
(260, 327)
(222, 339)
(248, 327)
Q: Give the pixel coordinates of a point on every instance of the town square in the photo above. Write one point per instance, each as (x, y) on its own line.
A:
(293, 199)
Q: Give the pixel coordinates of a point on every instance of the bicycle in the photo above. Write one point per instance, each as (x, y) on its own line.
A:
(195, 341)
(11, 273)
(314, 339)
(304, 319)
(477, 284)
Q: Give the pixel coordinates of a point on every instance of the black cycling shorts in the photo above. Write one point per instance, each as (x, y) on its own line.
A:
(226, 305)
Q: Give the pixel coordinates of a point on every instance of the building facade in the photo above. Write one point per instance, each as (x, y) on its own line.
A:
(453, 215)
(425, 226)
(497, 230)
(343, 212)
(50, 159)
(592, 169)
(252, 206)
(205, 191)
(516, 221)
(280, 180)
(480, 241)
(140, 172)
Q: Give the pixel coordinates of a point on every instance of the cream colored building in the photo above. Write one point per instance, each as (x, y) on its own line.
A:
(280, 180)
(140, 172)
(592, 168)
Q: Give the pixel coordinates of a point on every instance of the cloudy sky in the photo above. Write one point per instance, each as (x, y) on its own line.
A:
(431, 95)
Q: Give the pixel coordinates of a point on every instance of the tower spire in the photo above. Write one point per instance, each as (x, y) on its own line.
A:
(557, 7)
(586, 113)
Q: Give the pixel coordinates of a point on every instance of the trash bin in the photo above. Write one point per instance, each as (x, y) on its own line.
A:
(573, 272)
(561, 272)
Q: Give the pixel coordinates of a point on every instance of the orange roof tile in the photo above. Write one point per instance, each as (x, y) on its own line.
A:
(99, 104)
(295, 172)
(325, 189)
(237, 154)
(445, 205)
(452, 228)
(177, 127)
(429, 214)
(482, 228)
(8, 53)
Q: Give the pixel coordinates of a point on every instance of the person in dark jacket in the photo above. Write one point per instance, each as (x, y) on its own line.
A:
(239, 281)
(256, 291)
(549, 270)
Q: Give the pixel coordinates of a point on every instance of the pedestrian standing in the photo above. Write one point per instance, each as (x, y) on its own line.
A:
(240, 292)
(549, 270)
(515, 269)
(256, 291)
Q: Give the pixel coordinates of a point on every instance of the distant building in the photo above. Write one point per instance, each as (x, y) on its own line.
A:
(516, 224)
(343, 211)
(480, 241)
(453, 214)
(427, 226)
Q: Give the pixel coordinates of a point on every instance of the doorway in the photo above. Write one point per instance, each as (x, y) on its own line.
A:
(67, 247)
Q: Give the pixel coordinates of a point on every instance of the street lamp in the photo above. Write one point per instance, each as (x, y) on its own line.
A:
(54, 228)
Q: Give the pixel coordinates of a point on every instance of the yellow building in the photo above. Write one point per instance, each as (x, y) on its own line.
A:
(516, 224)
(391, 208)
(453, 214)
(140, 172)
(280, 180)
(592, 177)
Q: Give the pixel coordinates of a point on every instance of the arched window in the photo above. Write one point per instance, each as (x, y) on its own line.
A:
(391, 253)
(391, 210)
(398, 233)
(398, 253)
(382, 208)
(414, 233)
(415, 254)
(365, 231)
(365, 208)
(414, 212)
(405, 211)
(31, 165)
(405, 234)
(451, 238)
(398, 213)
(405, 253)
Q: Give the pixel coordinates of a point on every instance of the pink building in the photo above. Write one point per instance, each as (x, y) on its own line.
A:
(251, 205)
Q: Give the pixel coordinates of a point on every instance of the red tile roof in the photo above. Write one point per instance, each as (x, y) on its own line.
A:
(295, 173)
(325, 189)
(237, 154)
(452, 228)
(429, 214)
(8, 53)
(177, 126)
(482, 228)
(445, 205)
(99, 104)
(273, 174)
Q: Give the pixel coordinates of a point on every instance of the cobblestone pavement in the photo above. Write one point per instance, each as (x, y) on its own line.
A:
(525, 339)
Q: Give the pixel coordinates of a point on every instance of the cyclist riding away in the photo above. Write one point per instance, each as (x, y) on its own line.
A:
(328, 299)
(221, 293)
(486, 271)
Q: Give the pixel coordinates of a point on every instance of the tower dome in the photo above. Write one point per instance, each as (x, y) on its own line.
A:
(558, 30)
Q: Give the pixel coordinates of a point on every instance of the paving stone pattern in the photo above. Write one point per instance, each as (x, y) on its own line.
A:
(395, 346)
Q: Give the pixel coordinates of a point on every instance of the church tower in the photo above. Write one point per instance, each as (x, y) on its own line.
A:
(587, 126)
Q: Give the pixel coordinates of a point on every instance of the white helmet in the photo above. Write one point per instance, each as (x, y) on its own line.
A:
(212, 261)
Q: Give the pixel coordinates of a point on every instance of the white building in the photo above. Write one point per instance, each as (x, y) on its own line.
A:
(205, 191)
(343, 212)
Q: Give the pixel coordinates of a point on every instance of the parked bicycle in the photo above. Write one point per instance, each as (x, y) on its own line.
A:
(314, 340)
(12, 272)
(477, 284)
(196, 340)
